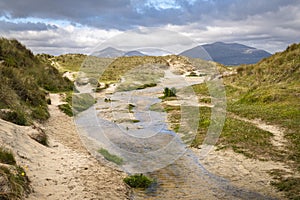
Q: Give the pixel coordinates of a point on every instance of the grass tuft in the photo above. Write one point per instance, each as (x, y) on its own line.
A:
(14, 182)
(66, 108)
(110, 157)
(6, 157)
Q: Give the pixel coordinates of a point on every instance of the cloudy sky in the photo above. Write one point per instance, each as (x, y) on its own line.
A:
(77, 26)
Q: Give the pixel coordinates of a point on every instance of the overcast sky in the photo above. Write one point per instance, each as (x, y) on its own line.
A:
(78, 26)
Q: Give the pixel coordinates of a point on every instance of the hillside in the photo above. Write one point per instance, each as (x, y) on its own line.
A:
(25, 82)
(228, 53)
(263, 114)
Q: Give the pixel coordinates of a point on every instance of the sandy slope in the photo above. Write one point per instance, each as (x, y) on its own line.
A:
(64, 170)
(243, 172)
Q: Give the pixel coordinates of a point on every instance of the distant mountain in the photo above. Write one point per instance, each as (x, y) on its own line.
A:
(111, 52)
(227, 53)
(134, 53)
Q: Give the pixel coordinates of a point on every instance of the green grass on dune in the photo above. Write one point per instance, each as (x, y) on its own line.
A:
(25, 82)
(13, 179)
(268, 90)
(123, 65)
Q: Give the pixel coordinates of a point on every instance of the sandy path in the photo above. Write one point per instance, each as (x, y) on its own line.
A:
(278, 140)
(64, 170)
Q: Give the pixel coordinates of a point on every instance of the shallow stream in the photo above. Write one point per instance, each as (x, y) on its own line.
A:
(140, 136)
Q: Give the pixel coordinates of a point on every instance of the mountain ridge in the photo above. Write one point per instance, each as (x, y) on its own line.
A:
(227, 53)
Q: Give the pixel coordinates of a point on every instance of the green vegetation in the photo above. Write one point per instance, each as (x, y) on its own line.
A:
(156, 107)
(130, 107)
(25, 80)
(245, 138)
(138, 181)
(140, 77)
(122, 65)
(66, 108)
(39, 135)
(192, 74)
(81, 102)
(13, 180)
(6, 157)
(42, 139)
(14, 183)
(174, 116)
(16, 117)
(76, 103)
(110, 157)
(287, 184)
(268, 90)
(201, 89)
(66, 62)
(135, 121)
(169, 92)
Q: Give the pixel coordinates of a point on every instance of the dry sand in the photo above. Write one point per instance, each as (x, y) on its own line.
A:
(243, 172)
(65, 169)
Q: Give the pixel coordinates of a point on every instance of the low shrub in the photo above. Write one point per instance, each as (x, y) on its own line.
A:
(138, 181)
(169, 92)
(40, 113)
(16, 117)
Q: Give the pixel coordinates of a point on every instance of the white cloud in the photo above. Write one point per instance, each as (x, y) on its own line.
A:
(63, 39)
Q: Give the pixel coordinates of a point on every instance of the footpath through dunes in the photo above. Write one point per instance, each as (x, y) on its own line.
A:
(129, 128)
(64, 169)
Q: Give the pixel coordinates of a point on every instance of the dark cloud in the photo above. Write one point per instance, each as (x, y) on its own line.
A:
(126, 14)
(78, 11)
(21, 26)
